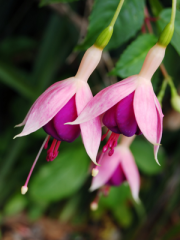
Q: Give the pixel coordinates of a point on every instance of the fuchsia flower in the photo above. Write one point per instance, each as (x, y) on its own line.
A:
(130, 106)
(118, 168)
(62, 102)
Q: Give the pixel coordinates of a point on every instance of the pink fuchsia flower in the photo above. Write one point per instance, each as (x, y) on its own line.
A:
(118, 168)
(130, 106)
(62, 102)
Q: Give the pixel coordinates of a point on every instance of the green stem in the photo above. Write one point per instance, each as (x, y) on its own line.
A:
(162, 91)
(173, 13)
(168, 31)
(117, 13)
(173, 89)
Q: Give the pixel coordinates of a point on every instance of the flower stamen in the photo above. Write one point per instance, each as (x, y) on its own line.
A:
(46, 144)
(53, 150)
(24, 188)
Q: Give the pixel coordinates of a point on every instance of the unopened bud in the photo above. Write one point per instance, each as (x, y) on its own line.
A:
(95, 172)
(166, 35)
(175, 103)
(104, 37)
(24, 190)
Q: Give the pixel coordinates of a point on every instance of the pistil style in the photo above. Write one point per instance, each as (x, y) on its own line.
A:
(24, 188)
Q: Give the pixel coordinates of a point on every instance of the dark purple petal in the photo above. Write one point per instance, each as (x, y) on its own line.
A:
(50, 130)
(117, 177)
(56, 127)
(109, 120)
(125, 117)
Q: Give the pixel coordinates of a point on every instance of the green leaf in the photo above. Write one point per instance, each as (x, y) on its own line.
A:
(45, 2)
(164, 19)
(144, 156)
(58, 42)
(128, 23)
(62, 177)
(123, 215)
(156, 7)
(16, 80)
(116, 196)
(16, 45)
(132, 58)
(15, 205)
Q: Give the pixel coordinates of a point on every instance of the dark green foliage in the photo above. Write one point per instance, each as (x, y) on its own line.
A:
(36, 50)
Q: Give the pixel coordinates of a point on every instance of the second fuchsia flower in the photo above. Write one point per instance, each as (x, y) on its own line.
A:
(118, 168)
(130, 107)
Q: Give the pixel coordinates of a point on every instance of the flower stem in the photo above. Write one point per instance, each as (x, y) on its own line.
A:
(117, 13)
(162, 91)
(173, 13)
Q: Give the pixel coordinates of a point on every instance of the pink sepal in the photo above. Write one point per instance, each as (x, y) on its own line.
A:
(91, 130)
(107, 168)
(107, 98)
(130, 170)
(48, 105)
(145, 111)
(159, 127)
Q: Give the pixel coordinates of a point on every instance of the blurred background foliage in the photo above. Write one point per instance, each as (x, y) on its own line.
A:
(42, 42)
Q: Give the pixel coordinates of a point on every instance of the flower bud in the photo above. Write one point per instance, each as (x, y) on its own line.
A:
(166, 35)
(104, 37)
(175, 102)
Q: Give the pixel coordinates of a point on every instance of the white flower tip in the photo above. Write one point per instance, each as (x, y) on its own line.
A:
(24, 190)
(157, 144)
(69, 123)
(137, 199)
(95, 172)
(15, 137)
(19, 125)
(157, 162)
(94, 206)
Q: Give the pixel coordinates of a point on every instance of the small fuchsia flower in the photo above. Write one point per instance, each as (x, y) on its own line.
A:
(130, 106)
(117, 169)
(60, 103)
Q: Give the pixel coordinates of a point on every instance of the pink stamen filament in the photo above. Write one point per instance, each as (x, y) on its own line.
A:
(111, 143)
(53, 150)
(105, 190)
(35, 161)
(46, 144)
(105, 135)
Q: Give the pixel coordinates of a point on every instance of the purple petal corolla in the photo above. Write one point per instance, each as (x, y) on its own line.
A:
(56, 127)
(91, 130)
(48, 105)
(106, 99)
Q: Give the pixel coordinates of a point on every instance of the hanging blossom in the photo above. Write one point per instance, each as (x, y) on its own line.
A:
(63, 102)
(116, 170)
(130, 106)
(60, 103)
